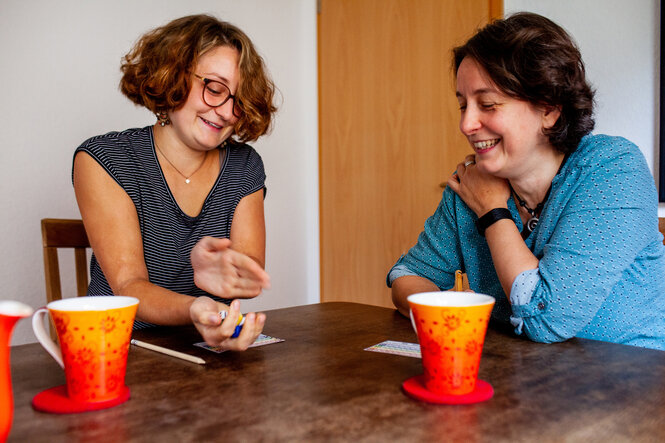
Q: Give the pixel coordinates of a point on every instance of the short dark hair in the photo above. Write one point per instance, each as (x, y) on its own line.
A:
(157, 71)
(531, 58)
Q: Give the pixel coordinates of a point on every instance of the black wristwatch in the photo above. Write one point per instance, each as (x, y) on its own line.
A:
(490, 218)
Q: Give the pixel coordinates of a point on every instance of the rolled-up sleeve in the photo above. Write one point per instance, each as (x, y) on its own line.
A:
(398, 271)
(520, 297)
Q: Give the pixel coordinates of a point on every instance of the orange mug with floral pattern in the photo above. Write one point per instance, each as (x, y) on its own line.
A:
(451, 330)
(94, 334)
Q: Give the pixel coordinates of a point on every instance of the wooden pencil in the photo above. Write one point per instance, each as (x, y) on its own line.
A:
(167, 351)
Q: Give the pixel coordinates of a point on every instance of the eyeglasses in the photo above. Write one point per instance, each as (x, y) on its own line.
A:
(216, 93)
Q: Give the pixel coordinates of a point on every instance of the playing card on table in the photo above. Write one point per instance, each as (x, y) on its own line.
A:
(260, 341)
(397, 348)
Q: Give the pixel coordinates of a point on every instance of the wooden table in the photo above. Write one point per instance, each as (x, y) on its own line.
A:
(320, 384)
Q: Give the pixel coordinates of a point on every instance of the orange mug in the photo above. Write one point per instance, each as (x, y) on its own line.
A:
(451, 330)
(94, 334)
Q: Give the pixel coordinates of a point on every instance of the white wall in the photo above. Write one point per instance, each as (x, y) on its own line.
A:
(59, 75)
(620, 44)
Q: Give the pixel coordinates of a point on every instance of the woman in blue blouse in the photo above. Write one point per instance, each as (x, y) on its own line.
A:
(563, 222)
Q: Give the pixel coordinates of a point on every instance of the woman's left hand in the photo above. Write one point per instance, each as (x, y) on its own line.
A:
(480, 191)
(224, 272)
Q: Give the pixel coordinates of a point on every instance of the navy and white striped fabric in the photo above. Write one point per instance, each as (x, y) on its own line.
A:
(168, 233)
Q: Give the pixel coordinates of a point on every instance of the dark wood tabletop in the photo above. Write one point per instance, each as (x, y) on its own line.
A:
(320, 385)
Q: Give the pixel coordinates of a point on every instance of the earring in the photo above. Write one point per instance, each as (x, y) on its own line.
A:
(163, 118)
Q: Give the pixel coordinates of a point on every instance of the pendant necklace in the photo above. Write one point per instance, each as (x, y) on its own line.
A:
(535, 212)
(187, 178)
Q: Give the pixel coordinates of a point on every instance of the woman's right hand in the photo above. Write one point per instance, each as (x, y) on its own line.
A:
(226, 273)
(480, 191)
(204, 312)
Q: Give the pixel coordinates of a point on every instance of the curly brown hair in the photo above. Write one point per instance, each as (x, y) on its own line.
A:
(531, 58)
(157, 72)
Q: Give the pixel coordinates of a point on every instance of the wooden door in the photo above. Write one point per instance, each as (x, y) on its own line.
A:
(389, 132)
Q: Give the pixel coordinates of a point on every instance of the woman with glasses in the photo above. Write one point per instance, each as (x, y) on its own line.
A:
(174, 211)
(558, 224)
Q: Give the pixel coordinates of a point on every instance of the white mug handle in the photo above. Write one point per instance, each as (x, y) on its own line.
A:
(413, 323)
(44, 337)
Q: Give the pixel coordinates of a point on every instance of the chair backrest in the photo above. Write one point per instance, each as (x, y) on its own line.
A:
(661, 227)
(61, 233)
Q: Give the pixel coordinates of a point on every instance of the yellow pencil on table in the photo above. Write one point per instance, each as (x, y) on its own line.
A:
(459, 281)
(167, 351)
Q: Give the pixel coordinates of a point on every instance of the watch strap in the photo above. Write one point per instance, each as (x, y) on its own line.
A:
(490, 218)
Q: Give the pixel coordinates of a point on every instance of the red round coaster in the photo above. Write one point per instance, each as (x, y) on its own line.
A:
(56, 401)
(415, 388)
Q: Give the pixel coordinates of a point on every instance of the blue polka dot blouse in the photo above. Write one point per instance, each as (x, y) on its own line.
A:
(602, 261)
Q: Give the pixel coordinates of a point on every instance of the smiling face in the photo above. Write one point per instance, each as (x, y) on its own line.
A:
(505, 133)
(198, 125)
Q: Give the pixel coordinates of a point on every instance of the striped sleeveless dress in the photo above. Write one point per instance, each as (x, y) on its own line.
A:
(168, 233)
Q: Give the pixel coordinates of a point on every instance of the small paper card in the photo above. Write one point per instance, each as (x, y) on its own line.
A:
(260, 341)
(397, 348)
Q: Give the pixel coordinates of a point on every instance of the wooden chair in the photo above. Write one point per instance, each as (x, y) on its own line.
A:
(61, 233)
(661, 227)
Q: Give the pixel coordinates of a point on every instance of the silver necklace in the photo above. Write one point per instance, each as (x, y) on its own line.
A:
(187, 179)
(535, 212)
